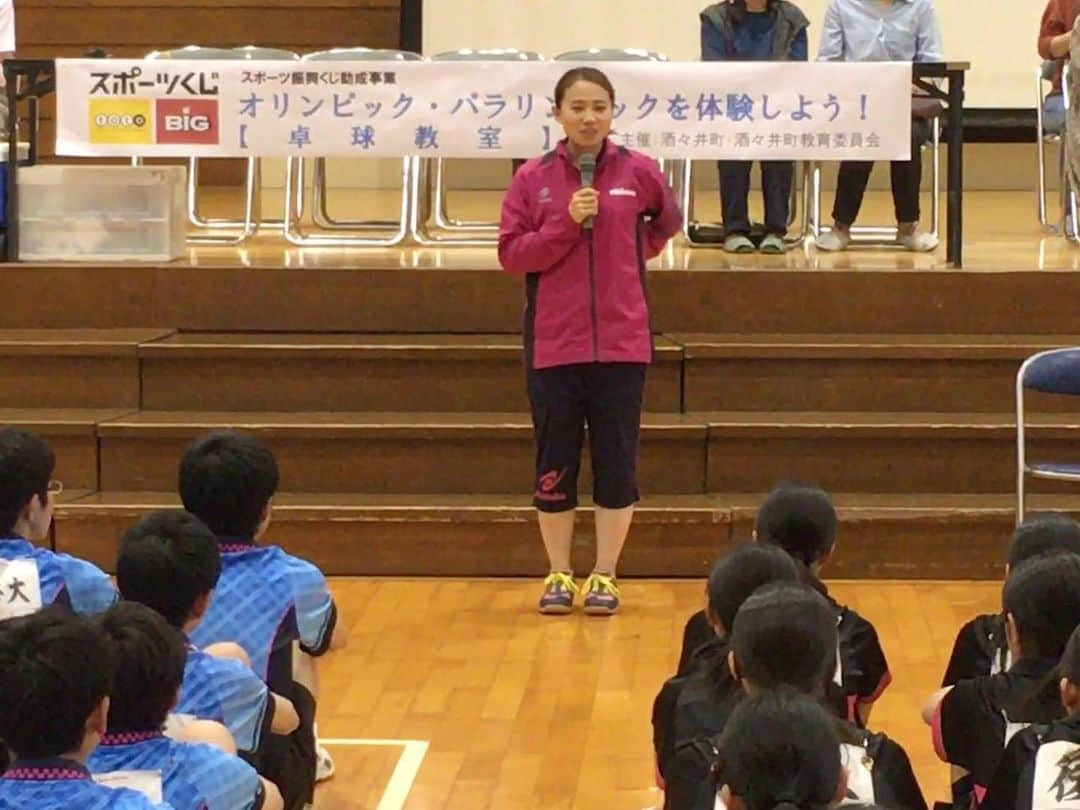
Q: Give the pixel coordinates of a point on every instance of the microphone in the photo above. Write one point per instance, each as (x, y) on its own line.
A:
(587, 166)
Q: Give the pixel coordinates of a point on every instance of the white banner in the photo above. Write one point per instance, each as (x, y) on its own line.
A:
(736, 111)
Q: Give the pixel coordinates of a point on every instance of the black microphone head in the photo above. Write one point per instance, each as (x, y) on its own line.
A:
(587, 166)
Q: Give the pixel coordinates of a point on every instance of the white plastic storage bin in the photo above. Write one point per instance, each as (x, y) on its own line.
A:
(101, 213)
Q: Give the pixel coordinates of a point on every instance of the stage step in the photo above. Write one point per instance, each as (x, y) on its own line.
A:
(71, 368)
(362, 291)
(72, 435)
(928, 536)
(388, 452)
(875, 372)
(306, 372)
(684, 454)
(900, 452)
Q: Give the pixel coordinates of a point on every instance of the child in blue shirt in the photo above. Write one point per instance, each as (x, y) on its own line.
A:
(169, 561)
(55, 674)
(266, 600)
(32, 577)
(149, 657)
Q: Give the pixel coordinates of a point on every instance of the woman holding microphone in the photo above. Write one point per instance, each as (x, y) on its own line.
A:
(579, 223)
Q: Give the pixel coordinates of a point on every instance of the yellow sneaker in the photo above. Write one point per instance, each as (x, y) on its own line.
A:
(558, 596)
(601, 595)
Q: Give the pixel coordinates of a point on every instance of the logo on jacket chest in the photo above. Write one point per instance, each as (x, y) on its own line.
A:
(622, 192)
(544, 196)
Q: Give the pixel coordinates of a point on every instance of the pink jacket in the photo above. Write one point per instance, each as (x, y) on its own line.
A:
(585, 289)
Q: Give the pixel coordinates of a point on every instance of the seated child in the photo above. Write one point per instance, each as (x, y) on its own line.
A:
(800, 519)
(266, 600)
(780, 752)
(687, 702)
(1041, 764)
(31, 576)
(149, 657)
(973, 720)
(170, 562)
(55, 677)
(785, 637)
(980, 647)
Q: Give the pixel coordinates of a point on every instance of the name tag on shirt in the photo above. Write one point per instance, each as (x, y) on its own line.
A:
(175, 723)
(148, 783)
(860, 786)
(20, 588)
(1057, 778)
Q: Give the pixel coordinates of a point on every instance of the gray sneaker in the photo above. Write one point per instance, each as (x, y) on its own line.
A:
(738, 243)
(833, 240)
(773, 243)
(918, 242)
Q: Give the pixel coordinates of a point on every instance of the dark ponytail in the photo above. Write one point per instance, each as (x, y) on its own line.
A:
(1042, 595)
(779, 750)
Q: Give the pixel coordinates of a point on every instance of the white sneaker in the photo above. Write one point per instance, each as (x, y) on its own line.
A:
(833, 240)
(324, 765)
(918, 242)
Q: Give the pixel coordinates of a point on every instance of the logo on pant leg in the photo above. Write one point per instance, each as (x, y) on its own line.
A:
(546, 484)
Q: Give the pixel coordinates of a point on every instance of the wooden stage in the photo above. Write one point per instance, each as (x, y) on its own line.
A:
(390, 385)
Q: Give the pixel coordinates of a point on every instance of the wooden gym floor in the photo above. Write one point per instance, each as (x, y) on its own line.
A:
(520, 711)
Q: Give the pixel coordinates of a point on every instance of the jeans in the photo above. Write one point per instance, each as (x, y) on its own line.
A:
(1054, 114)
(776, 179)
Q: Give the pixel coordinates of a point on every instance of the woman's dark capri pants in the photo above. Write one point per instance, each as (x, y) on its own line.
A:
(605, 396)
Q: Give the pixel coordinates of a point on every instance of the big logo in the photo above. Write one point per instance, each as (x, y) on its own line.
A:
(120, 120)
(187, 121)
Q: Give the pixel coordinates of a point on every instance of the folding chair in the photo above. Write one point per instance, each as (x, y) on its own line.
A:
(1052, 372)
(393, 232)
(253, 175)
(431, 190)
(1046, 133)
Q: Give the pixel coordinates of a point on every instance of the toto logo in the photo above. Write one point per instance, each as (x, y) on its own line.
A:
(187, 121)
(118, 121)
(125, 121)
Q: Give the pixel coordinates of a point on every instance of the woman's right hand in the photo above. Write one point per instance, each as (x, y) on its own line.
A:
(584, 204)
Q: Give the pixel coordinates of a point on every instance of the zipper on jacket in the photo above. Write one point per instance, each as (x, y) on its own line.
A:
(592, 298)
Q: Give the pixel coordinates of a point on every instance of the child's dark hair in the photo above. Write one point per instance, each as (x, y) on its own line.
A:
(740, 572)
(226, 480)
(1043, 533)
(582, 74)
(26, 465)
(785, 635)
(779, 751)
(1070, 659)
(1043, 597)
(167, 561)
(55, 669)
(800, 519)
(149, 655)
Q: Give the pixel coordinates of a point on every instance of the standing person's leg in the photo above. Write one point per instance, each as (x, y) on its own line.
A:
(558, 411)
(776, 179)
(734, 191)
(851, 183)
(614, 402)
(906, 176)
